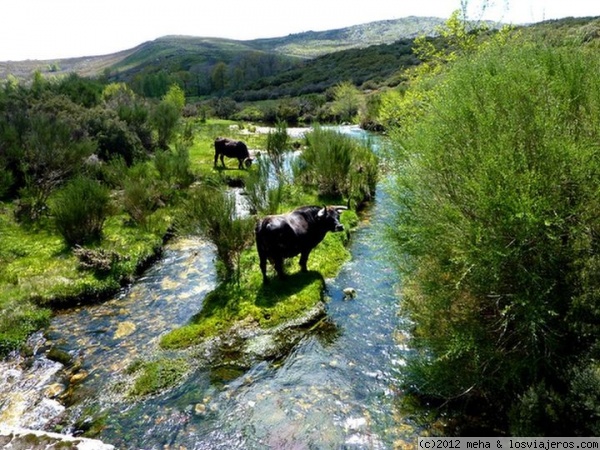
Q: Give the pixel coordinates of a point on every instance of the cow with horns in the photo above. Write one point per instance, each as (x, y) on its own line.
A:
(232, 149)
(295, 233)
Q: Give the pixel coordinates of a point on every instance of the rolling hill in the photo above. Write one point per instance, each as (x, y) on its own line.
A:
(184, 52)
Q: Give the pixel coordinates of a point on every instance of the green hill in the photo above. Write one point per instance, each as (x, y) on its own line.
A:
(185, 53)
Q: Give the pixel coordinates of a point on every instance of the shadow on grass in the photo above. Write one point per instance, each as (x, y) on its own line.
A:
(230, 302)
(277, 289)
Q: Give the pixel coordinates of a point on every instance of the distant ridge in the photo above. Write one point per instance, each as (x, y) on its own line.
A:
(307, 44)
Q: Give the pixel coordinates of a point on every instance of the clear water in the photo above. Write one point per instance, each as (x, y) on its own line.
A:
(336, 389)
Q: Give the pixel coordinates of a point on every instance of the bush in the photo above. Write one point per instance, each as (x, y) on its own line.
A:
(212, 212)
(141, 195)
(277, 145)
(264, 190)
(338, 165)
(173, 166)
(80, 210)
(498, 194)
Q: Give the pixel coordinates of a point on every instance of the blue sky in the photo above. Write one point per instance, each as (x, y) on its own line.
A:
(47, 29)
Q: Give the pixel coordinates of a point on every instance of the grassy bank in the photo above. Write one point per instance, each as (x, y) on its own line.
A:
(38, 272)
(266, 305)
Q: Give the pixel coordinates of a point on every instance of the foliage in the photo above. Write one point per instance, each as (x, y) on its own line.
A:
(50, 155)
(212, 212)
(498, 188)
(265, 188)
(347, 102)
(114, 137)
(277, 145)
(166, 115)
(338, 165)
(141, 193)
(173, 166)
(80, 209)
(405, 105)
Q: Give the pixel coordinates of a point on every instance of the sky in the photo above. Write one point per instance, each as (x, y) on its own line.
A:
(52, 29)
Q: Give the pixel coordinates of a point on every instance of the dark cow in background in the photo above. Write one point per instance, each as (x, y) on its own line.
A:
(232, 149)
(295, 233)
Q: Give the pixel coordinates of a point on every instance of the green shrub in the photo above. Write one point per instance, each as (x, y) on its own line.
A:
(277, 145)
(141, 194)
(212, 212)
(80, 210)
(498, 194)
(262, 196)
(173, 166)
(338, 165)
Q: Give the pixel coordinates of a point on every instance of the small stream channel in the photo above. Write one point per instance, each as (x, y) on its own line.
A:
(336, 389)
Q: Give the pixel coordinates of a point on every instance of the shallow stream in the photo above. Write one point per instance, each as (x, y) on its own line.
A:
(337, 388)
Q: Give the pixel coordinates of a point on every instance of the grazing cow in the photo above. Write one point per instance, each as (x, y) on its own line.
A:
(295, 233)
(232, 149)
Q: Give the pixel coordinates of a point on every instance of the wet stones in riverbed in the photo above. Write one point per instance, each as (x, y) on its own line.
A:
(246, 343)
(349, 293)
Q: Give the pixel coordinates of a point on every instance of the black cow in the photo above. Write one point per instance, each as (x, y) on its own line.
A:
(295, 233)
(232, 149)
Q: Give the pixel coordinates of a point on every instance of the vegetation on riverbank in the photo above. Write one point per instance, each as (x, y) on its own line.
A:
(79, 220)
(242, 296)
(497, 184)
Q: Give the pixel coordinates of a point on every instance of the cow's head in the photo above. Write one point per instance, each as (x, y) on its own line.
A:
(248, 162)
(330, 216)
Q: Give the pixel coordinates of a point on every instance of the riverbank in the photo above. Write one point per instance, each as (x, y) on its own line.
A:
(39, 274)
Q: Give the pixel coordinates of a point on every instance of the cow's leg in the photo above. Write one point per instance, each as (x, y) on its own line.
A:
(222, 161)
(263, 267)
(240, 163)
(304, 260)
(278, 263)
(216, 159)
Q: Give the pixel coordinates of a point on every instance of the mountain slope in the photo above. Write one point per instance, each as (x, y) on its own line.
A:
(181, 52)
(315, 43)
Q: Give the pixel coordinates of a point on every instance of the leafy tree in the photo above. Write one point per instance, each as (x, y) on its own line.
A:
(348, 101)
(82, 91)
(218, 77)
(166, 115)
(113, 136)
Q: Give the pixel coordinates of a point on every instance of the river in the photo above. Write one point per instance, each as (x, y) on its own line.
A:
(337, 388)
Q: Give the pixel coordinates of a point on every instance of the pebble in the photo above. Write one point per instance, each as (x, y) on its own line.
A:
(78, 377)
(54, 390)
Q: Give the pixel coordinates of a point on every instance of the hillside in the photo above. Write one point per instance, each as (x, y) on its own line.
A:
(315, 43)
(185, 52)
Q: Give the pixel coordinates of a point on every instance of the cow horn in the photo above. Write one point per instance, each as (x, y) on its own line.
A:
(340, 207)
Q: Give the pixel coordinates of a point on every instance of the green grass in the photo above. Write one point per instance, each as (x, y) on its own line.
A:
(153, 377)
(266, 305)
(39, 272)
